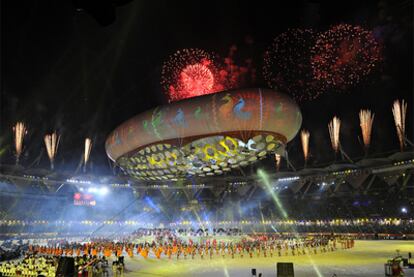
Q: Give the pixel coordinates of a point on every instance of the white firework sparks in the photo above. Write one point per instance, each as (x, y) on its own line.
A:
(334, 128)
(52, 143)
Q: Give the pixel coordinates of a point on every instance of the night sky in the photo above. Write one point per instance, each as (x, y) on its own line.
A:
(61, 69)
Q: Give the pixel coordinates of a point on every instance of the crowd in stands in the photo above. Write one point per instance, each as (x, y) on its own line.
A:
(6, 255)
(163, 232)
(38, 264)
(361, 229)
(31, 265)
(10, 252)
(363, 225)
(88, 265)
(356, 226)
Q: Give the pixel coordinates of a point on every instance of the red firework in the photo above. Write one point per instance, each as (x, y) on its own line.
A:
(193, 72)
(196, 78)
(287, 66)
(344, 55)
(189, 73)
(233, 75)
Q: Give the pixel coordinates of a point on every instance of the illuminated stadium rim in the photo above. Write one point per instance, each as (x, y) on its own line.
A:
(233, 134)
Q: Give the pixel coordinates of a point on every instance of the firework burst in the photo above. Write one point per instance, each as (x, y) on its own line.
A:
(87, 152)
(344, 55)
(287, 66)
(193, 72)
(304, 137)
(366, 118)
(278, 159)
(399, 110)
(189, 73)
(234, 75)
(52, 143)
(19, 131)
(334, 128)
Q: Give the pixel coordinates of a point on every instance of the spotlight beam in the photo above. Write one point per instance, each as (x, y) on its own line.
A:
(265, 178)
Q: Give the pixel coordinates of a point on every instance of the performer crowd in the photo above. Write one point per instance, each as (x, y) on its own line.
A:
(169, 245)
(92, 255)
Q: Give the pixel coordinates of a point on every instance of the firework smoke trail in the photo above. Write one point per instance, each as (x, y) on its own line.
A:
(265, 178)
(277, 159)
(88, 147)
(52, 143)
(334, 128)
(304, 137)
(366, 118)
(399, 111)
(19, 132)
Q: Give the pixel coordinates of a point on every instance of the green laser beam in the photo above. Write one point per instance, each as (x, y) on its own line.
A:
(265, 178)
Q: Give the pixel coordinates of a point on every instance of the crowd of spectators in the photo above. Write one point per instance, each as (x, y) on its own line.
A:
(92, 266)
(6, 255)
(30, 265)
(384, 227)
